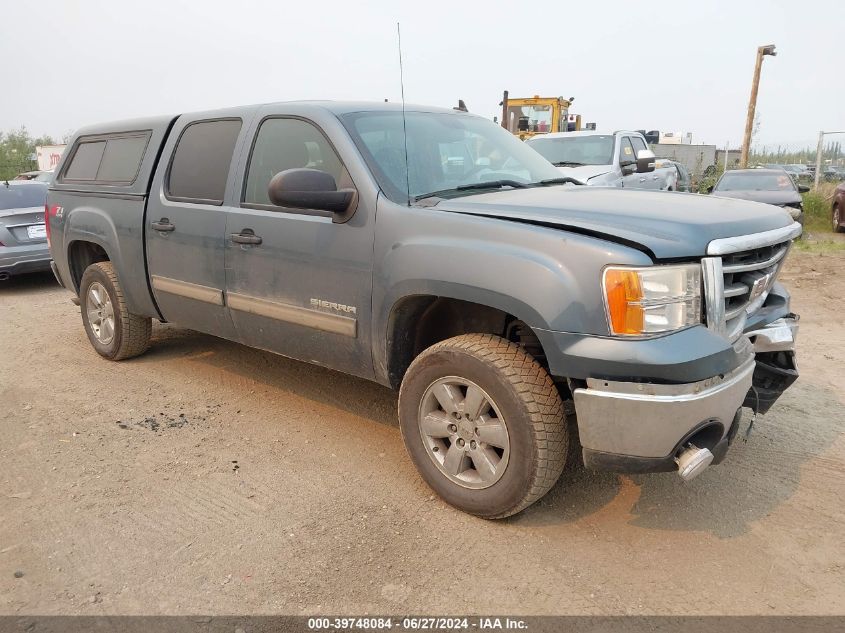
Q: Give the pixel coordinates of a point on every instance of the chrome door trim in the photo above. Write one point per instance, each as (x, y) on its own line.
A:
(198, 292)
(334, 323)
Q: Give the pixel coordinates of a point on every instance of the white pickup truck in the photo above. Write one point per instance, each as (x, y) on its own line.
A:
(617, 159)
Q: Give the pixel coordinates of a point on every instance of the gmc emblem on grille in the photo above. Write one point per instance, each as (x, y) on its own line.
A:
(760, 286)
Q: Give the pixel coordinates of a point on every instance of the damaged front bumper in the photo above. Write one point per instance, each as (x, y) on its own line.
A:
(776, 369)
(637, 427)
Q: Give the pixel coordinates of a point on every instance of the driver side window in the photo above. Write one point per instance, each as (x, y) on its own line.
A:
(285, 143)
(626, 151)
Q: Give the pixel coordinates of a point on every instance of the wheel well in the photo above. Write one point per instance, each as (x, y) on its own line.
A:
(81, 255)
(418, 322)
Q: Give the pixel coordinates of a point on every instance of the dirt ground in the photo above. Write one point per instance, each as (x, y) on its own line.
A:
(206, 477)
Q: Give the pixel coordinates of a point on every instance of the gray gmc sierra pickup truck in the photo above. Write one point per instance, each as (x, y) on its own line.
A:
(431, 251)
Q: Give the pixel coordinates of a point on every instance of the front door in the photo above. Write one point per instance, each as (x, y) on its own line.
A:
(186, 225)
(297, 282)
(628, 164)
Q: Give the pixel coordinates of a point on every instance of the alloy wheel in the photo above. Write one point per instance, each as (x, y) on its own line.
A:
(100, 313)
(464, 432)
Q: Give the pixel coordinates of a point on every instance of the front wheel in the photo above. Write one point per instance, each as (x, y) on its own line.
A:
(113, 331)
(484, 424)
(837, 219)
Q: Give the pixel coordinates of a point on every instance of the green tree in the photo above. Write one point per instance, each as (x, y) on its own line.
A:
(17, 150)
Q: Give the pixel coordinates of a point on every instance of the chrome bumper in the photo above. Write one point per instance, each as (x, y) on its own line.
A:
(650, 420)
(777, 336)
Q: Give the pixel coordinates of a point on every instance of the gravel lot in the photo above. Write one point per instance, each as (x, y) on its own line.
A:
(206, 477)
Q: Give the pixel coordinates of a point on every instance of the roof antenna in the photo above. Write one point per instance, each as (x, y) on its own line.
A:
(404, 125)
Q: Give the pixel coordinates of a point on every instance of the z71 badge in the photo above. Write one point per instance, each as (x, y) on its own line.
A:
(320, 303)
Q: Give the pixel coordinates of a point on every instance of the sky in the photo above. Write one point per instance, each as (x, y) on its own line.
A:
(670, 65)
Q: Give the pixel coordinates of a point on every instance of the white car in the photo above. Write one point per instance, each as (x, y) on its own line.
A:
(616, 159)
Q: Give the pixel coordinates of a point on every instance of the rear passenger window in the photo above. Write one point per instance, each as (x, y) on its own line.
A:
(109, 159)
(122, 158)
(85, 161)
(289, 144)
(200, 165)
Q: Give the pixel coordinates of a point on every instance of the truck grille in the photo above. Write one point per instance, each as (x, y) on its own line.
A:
(738, 282)
(742, 271)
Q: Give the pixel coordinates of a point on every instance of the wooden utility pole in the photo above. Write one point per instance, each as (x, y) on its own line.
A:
(762, 51)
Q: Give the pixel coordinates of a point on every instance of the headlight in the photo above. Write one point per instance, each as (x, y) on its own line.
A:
(650, 300)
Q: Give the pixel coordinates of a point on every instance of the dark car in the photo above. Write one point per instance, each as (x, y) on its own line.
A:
(23, 237)
(683, 181)
(772, 186)
(839, 209)
(832, 174)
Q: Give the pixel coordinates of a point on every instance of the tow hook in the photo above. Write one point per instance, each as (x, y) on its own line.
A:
(692, 461)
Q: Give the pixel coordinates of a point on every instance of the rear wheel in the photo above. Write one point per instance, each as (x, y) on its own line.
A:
(113, 331)
(484, 424)
(837, 219)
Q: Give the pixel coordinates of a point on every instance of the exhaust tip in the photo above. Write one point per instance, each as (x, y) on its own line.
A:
(692, 462)
(4, 276)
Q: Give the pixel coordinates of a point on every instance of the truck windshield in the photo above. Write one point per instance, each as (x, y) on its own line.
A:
(446, 154)
(22, 196)
(595, 149)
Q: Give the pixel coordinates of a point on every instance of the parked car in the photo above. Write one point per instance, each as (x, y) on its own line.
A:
(483, 289)
(831, 174)
(772, 186)
(40, 176)
(838, 209)
(682, 178)
(619, 159)
(23, 241)
(800, 172)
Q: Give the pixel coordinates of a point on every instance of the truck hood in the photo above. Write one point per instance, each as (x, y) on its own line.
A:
(584, 172)
(664, 225)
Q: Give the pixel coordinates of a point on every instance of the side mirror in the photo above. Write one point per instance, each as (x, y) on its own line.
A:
(710, 188)
(645, 161)
(313, 190)
(803, 188)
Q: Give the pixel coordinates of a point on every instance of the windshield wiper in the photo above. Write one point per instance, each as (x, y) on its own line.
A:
(558, 181)
(490, 184)
(568, 163)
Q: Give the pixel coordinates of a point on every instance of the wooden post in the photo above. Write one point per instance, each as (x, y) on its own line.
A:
(819, 151)
(752, 102)
(505, 111)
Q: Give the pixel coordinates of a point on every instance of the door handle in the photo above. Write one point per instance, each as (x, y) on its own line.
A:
(246, 237)
(642, 179)
(163, 225)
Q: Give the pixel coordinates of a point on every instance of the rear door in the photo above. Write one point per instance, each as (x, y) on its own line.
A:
(186, 221)
(298, 283)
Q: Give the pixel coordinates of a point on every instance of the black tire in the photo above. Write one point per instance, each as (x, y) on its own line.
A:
(837, 219)
(132, 332)
(531, 409)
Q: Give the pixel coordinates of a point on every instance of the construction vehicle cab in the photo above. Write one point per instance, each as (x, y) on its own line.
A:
(526, 117)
